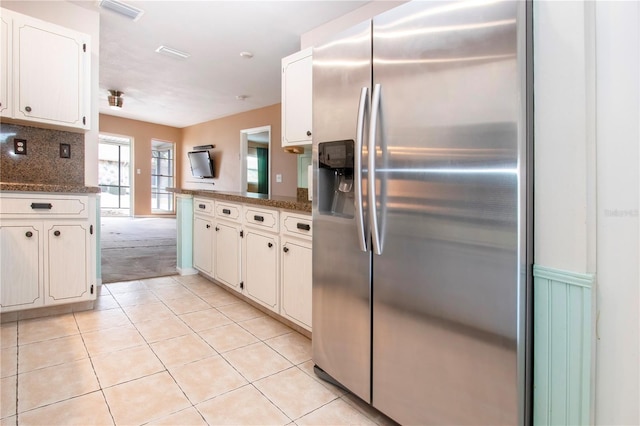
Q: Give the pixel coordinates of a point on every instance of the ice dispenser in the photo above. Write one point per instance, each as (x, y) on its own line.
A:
(335, 178)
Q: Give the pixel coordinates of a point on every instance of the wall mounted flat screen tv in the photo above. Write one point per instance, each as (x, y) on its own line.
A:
(201, 164)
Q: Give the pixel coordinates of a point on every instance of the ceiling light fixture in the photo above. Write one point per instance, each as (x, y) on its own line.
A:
(246, 55)
(172, 52)
(121, 8)
(241, 97)
(115, 99)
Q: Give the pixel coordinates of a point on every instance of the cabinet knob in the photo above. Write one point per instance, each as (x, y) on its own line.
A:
(208, 226)
(308, 132)
(217, 229)
(270, 245)
(29, 234)
(56, 233)
(286, 249)
(27, 108)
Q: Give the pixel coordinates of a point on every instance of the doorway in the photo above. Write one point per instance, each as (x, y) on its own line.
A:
(114, 175)
(255, 160)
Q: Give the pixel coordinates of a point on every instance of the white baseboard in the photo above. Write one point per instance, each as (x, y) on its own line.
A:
(187, 271)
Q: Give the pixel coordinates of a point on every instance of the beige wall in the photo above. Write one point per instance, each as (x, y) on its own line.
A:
(81, 19)
(142, 134)
(224, 133)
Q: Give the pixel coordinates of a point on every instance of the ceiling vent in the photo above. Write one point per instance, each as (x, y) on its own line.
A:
(172, 52)
(123, 9)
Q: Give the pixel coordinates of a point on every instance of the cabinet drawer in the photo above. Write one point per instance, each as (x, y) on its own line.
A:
(261, 218)
(228, 211)
(203, 205)
(42, 206)
(296, 225)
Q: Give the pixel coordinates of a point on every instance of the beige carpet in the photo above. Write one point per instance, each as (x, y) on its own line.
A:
(133, 249)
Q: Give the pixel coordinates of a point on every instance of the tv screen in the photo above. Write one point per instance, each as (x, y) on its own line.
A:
(201, 164)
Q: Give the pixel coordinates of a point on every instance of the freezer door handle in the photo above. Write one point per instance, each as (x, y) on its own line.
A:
(362, 107)
(373, 128)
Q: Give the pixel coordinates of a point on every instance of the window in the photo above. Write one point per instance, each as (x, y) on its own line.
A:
(252, 166)
(162, 176)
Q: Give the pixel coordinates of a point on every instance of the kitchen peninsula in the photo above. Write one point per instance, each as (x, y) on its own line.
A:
(289, 203)
(256, 246)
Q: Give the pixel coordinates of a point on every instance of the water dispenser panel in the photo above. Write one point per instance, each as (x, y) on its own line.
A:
(335, 178)
(336, 155)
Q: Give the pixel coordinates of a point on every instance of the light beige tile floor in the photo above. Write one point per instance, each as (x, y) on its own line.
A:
(166, 351)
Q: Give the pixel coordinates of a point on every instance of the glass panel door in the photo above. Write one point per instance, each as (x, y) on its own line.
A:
(162, 177)
(114, 176)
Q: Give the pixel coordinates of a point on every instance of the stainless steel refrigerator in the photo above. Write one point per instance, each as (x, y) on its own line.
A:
(421, 212)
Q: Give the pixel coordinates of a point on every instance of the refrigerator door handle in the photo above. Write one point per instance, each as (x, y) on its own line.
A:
(362, 107)
(373, 127)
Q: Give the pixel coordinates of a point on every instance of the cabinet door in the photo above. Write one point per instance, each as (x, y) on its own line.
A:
(228, 254)
(261, 268)
(50, 73)
(20, 266)
(296, 98)
(203, 244)
(67, 250)
(296, 282)
(6, 49)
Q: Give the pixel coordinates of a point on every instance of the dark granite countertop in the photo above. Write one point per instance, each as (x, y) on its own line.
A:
(40, 187)
(288, 203)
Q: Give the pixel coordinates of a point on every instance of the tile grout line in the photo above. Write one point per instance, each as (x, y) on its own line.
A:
(268, 399)
(17, 365)
(104, 397)
(160, 360)
(220, 354)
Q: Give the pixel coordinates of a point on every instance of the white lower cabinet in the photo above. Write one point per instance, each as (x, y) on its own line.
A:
(260, 253)
(66, 268)
(203, 236)
(295, 298)
(296, 281)
(47, 251)
(21, 265)
(227, 253)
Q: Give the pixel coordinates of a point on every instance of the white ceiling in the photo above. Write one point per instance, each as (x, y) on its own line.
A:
(182, 92)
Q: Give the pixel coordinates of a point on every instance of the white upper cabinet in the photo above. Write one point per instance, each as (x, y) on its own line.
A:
(296, 98)
(50, 72)
(5, 64)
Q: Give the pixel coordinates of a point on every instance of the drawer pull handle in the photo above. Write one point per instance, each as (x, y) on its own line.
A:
(56, 233)
(286, 249)
(258, 218)
(270, 245)
(303, 226)
(202, 206)
(226, 211)
(46, 206)
(29, 234)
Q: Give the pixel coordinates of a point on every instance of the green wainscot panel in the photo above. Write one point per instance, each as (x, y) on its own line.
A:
(562, 334)
(184, 233)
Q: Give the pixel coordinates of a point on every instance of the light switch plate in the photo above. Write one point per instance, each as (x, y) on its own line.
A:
(65, 150)
(279, 178)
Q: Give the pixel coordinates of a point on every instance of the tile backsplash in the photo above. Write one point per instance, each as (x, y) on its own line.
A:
(42, 164)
